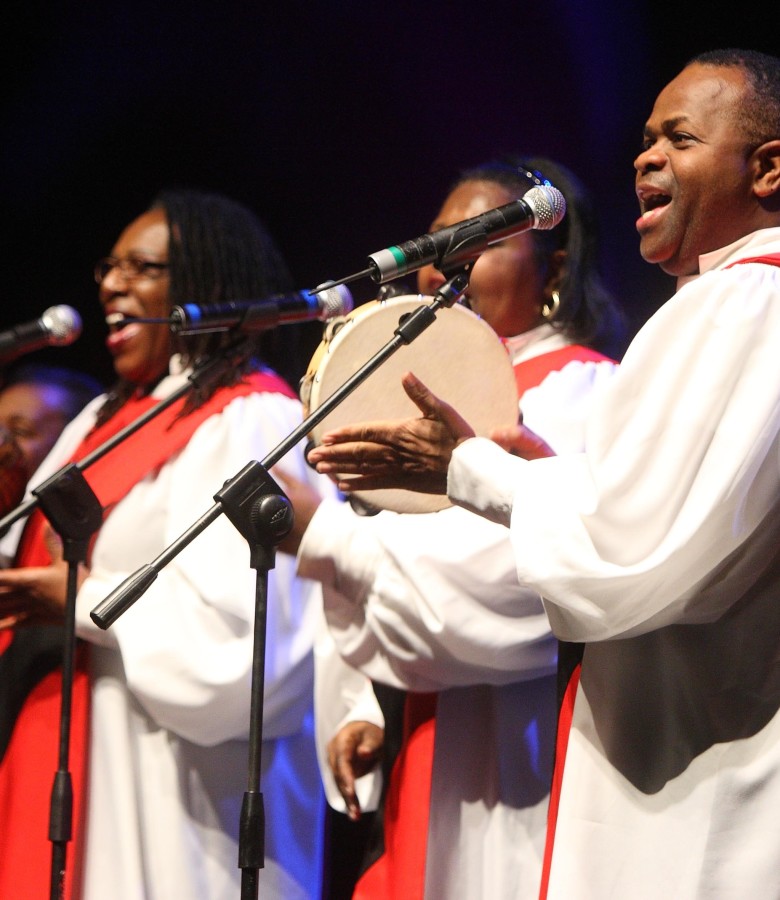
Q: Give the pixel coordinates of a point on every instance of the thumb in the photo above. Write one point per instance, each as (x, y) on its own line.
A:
(435, 409)
(427, 402)
(370, 742)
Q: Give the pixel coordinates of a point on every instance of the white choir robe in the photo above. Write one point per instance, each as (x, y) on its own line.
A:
(431, 602)
(170, 680)
(659, 547)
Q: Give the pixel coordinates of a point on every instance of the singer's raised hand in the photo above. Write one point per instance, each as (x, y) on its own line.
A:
(36, 594)
(413, 453)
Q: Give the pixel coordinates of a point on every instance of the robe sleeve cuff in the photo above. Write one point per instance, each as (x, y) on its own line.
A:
(339, 551)
(482, 479)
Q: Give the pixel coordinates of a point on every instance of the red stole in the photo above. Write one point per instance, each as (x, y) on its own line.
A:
(565, 716)
(531, 372)
(771, 259)
(400, 871)
(399, 874)
(28, 766)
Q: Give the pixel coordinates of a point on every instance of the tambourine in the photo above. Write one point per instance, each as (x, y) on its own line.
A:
(459, 357)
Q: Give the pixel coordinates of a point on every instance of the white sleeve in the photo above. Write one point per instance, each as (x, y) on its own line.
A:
(559, 407)
(342, 695)
(407, 598)
(408, 604)
(187, 644)
(682, 467)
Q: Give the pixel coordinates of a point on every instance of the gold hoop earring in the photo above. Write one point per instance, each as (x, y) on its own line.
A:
(550, 307)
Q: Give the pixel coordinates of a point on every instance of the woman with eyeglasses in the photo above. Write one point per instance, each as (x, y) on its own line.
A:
(465, 812)
(162, 698)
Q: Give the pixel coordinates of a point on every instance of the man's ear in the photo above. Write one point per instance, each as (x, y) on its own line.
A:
(767, 182)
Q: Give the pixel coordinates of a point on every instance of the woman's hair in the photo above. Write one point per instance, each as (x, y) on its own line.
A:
(219, 251)
(77, 388)
(588, 314)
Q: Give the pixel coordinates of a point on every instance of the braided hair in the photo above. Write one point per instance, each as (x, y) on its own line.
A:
(218, 251)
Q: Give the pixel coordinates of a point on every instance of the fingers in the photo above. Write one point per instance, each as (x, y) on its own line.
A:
(521, 441)
(14, 579)
(14, 607)
(40, 590)
(370, 433)
(340, 752)
(381, 433)
(411, 454)
(53, 543)
(353, 752)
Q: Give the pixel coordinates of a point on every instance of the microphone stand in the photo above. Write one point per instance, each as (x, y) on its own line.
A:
(258, 508)
(75, 514)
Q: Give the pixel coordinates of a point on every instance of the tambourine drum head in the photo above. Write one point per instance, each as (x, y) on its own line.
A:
(459, 357)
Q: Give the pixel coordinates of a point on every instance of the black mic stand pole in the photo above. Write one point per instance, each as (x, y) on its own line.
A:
(75, 514)
(258, 508)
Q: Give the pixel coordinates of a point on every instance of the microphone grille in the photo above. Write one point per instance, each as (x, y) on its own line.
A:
(548, 205)
(63, 325)
(334, 301)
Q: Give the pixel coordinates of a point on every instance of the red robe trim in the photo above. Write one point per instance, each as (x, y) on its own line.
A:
(399, 873)
(531, 372)
(771, 259)
(561, 745)
(31, 759)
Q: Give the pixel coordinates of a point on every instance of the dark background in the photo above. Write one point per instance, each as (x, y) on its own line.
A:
(341, 124)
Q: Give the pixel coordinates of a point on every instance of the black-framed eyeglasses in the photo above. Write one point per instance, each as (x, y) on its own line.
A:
(131, 267)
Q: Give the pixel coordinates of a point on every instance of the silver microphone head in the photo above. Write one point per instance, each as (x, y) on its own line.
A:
(63, 325)
(334, 301)
(548, 206)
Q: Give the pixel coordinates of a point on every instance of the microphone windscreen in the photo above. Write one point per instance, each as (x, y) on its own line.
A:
(334, 301)
(62, 323)
(548, 205)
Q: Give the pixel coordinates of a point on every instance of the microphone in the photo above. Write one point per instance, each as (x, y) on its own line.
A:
(322, 303)
(58, 326)
(541, 208)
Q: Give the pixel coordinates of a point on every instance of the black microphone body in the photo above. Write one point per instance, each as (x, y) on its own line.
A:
(57, 327)
(260, 315)
(541, 208)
